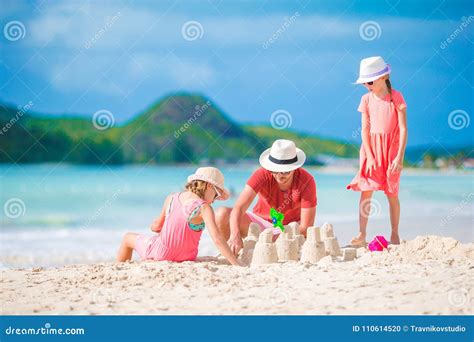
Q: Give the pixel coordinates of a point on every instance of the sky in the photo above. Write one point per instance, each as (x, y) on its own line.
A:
(252, 58)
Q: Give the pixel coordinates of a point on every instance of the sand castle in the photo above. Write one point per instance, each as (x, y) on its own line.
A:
(330, 241)
(249, 243)
(327, 231)
(265, 251)
(287, 246)
(254, 231)
(313, 249)
(291, 245)
(332, 246)
(294, 227)
(321, 242)
(349, 254)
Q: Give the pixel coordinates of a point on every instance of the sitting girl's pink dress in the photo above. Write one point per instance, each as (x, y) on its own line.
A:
(177, 241)
(384, 141)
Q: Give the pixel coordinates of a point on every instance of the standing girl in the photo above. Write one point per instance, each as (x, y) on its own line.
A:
(180, 224)
(384, 138)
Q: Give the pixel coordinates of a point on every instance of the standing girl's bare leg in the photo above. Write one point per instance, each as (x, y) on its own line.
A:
(126, 248)
(394, 218)
(364, 211)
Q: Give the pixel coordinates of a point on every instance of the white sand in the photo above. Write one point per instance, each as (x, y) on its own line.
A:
(428, 275)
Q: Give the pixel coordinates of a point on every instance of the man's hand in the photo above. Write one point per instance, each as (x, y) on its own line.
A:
(303, 230)
(236, 244)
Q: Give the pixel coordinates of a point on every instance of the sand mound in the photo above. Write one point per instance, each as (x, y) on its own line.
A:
(425, 248)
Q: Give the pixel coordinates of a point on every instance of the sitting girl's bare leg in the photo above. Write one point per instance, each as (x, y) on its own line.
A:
(126, 248)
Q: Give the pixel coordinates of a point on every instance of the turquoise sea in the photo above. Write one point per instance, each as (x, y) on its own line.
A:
(58, 214)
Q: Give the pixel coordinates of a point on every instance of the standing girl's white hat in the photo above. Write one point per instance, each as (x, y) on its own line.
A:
(283, 156)
(213, 176)
(372, 68)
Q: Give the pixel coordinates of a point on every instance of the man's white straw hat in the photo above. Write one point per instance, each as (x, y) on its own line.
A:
(283, 156)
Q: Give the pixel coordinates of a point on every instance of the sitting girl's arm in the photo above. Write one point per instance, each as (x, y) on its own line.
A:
(209, 219)
(160, 220)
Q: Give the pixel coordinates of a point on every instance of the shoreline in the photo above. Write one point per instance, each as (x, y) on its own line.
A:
(330, 169)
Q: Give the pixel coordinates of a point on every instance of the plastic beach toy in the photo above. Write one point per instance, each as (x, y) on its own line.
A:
(378, 244)
(277, 219)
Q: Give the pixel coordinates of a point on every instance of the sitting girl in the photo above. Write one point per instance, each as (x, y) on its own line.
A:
(180, 224)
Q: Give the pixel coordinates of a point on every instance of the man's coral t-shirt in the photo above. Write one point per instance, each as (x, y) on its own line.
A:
(301, 194)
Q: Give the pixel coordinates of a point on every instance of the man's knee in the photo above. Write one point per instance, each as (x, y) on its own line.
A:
(223, 215)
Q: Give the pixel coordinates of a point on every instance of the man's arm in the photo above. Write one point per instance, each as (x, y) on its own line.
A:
(240, 207)
(308, 216)
(308, 205)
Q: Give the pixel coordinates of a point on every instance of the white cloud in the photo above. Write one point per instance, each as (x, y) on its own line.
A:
(70, 25)
(78, 73)
(181, 71)
(107, 75)
(156, 49)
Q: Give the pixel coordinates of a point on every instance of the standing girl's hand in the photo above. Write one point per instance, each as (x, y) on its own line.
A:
(370, 165)
(396, 165)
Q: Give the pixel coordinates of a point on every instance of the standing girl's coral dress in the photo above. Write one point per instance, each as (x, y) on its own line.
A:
(384, 142)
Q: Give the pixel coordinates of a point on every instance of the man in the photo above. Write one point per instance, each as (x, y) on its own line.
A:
(281, 183)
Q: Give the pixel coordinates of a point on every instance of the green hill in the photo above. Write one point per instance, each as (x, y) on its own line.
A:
(180, 128)
(312, 145)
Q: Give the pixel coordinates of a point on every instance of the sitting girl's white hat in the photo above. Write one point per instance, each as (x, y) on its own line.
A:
(372, 68)
(283, 156)
(213, 176)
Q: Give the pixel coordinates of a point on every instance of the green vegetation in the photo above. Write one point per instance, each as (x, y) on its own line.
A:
(181, 128)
